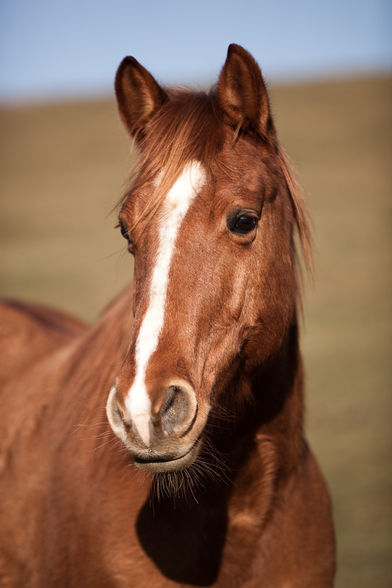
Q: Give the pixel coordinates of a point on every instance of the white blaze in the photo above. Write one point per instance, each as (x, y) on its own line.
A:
(175, 207)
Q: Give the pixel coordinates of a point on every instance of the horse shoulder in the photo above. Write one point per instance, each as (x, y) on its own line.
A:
(297, 547)
(279, 530)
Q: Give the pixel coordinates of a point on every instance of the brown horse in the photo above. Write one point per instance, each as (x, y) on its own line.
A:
(207, 479)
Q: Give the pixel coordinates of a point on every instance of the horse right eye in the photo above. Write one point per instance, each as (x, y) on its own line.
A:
(125, 234)
(124, 231)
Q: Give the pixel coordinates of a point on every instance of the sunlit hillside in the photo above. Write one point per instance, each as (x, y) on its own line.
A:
(63, 169)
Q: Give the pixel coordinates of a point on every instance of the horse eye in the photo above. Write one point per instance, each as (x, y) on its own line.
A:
(242, 224)
(125, 234)
(124, 231)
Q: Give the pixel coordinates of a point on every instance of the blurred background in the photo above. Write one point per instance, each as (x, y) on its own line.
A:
(65, 161)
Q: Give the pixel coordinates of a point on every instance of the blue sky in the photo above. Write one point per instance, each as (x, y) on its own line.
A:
(53, 48)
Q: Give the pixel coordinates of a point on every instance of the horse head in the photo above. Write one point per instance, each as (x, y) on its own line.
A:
(209, 219)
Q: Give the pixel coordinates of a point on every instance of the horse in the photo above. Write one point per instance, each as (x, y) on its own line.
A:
(164, 446)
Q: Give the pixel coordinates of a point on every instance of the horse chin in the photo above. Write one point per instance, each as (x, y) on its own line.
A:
(156, 465)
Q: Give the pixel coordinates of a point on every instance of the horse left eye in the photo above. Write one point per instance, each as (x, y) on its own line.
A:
(242, 224)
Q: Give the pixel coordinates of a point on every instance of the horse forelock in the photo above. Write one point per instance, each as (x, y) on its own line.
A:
(188, 128)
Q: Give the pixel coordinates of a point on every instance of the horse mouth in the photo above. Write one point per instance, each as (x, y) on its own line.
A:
(162, 464)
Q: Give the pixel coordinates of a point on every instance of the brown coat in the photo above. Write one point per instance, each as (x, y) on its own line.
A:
(247, 506)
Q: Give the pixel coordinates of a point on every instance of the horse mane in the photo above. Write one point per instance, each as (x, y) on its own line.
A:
(191, 126)
(301, 217)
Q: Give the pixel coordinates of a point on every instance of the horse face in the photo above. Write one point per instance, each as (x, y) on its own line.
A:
(213, 269)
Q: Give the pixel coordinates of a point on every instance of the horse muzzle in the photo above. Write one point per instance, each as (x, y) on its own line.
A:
(165, 438)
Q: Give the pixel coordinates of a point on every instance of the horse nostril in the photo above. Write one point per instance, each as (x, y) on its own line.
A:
(113, 413)
(177, 412)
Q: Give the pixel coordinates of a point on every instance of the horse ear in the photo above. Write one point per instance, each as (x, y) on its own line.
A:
(139, 96)
(242, 92)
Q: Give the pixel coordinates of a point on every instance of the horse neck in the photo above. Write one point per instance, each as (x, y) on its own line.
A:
(96, 357)
(272, 412)
(279, 390)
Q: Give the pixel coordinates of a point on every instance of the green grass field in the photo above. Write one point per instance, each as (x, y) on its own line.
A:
(63, 168)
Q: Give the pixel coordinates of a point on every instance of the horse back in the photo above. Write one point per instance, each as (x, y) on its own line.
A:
(30, 332)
